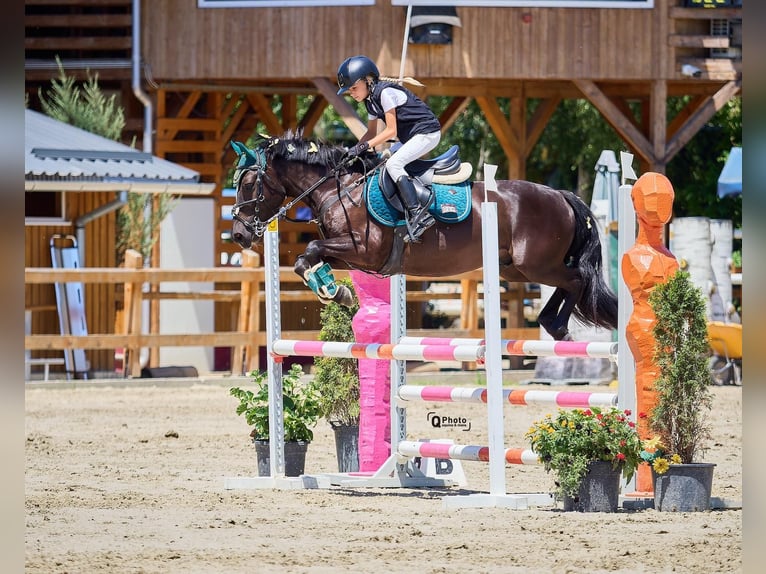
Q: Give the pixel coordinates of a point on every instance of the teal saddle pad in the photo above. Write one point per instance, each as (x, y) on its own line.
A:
(452, 202)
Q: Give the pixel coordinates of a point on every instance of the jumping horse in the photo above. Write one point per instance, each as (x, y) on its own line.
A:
(545, 235)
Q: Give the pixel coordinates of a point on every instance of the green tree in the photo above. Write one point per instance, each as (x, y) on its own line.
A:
(87, 107)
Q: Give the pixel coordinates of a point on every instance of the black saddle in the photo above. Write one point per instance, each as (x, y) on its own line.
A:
(446, 163)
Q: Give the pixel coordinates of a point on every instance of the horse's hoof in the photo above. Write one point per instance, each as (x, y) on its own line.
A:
(343, 296)
(562, 335)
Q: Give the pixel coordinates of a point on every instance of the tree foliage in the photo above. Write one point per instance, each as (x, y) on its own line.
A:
(88, 108)
(85, 107)
(681, 352)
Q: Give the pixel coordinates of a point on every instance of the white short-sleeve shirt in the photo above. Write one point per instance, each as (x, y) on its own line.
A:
(390, 98)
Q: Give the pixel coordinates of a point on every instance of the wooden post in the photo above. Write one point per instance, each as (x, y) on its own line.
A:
(132, 314)
(244, 350)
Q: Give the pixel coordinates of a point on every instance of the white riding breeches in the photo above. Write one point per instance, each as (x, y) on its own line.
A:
(414, 148)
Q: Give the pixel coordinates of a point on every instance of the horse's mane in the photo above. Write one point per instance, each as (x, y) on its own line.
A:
(292, 146)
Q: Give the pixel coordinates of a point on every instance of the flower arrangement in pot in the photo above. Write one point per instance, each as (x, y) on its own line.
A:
(301, 413)
(678, 420)
(336, 379)
(577, 441)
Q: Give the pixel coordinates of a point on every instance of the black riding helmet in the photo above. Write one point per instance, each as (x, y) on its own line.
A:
(354, 68)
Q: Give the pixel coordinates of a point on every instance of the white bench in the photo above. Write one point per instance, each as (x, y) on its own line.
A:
(46, 362)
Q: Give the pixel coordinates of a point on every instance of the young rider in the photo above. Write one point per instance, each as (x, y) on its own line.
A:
(406, 117)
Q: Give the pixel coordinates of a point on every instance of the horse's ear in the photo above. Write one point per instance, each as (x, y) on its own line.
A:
(238, 147)
(251, 154)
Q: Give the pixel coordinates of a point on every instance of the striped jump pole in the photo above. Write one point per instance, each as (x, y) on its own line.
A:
(531, 347)
(474, 453)
(519, 397)
(399, 352)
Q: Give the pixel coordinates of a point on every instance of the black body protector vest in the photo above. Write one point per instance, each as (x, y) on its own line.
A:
(414, 117)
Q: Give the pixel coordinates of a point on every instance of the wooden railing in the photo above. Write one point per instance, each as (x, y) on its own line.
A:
(248, 336)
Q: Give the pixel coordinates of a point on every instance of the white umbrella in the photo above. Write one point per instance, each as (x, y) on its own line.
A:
(607, 182)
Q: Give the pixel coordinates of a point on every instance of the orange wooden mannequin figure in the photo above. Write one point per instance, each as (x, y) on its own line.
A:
(646, 264)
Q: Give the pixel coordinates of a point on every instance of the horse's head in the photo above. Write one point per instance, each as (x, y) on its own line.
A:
(259, 194)
(275, 169)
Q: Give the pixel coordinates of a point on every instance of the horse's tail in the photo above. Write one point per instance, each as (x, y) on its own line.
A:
(597, 304)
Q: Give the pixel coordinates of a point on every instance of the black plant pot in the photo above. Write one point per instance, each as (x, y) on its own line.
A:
(684, 488)
(295, 457)
(599, 489)
(346, 446)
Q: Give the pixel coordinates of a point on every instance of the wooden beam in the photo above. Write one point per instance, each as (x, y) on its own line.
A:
(690, 41)
(99, 43)
(536, 125)
(78, 20)
(184, 112)
(235, 119)
(345, 110)
(679, 12)
(622, 105)
(658, 122)
(452, 112)
(684, 114)
(313, 115)
(500, 126)
(517, 115)
(616, 119)
(700, 117)
(289, 111)
(262, 105)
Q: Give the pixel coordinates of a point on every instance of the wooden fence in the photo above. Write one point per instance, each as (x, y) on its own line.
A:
(249, 334)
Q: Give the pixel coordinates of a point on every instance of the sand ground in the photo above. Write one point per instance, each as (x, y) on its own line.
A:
(126, 479)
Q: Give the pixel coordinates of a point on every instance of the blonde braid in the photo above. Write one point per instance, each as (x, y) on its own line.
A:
(405, 80)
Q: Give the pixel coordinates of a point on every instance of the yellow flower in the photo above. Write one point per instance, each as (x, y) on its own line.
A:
(550, 430)
(571, 425)
(675, 459)
(653, 444)
(661, 465)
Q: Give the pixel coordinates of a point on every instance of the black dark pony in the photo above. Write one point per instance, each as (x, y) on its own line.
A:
(545, 235)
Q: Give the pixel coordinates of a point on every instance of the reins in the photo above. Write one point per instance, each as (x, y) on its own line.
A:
(258, 227)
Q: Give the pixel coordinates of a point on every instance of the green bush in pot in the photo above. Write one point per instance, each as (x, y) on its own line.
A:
(681, 482)
(301, 408)
(337, 379)
(683, 386)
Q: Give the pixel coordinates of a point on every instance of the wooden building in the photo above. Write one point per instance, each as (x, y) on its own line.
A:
(215, 73)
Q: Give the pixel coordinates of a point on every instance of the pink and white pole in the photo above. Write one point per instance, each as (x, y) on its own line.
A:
(531, 347)
(521, 397)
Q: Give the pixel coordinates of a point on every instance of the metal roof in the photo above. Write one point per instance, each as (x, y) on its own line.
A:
(61, 157)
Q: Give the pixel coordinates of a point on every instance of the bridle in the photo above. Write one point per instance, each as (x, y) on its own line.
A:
(256, 226)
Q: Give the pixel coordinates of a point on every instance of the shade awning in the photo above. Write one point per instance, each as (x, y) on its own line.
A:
(61, 157)
(730, 180)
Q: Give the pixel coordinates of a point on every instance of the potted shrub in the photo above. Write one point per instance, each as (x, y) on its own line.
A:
(588, 450)
(678, 420)
(337, 382)
(300, 411)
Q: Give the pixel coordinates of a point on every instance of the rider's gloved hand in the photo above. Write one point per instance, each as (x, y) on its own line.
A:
(357, 150)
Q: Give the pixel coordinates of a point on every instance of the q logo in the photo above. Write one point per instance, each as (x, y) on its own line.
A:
(434, 419)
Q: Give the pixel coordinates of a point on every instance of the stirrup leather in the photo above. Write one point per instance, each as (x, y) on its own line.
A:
(418, 221)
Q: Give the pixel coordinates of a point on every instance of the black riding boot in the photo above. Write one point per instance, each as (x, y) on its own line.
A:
(417, 216)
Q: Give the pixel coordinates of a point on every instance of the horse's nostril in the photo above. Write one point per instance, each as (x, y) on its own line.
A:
(238, 237)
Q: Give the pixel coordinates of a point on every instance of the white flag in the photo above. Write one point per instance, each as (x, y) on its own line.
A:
(626, 160)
